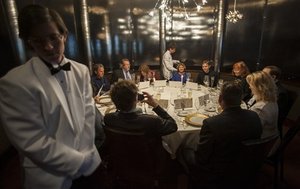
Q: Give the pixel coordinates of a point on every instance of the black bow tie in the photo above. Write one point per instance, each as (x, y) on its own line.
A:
(65, 67)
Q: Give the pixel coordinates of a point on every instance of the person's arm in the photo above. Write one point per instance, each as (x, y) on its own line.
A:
(92, 158)
(206, 144)
(166, 124)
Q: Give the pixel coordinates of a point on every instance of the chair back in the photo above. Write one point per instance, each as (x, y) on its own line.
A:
(135, 157)
(249, 162)
(287, 138)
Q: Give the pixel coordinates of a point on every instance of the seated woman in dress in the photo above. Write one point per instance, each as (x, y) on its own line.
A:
(180, 75)
(240, 70)
(264, 101)
(207, 76)
(145, 74)
(99, 80)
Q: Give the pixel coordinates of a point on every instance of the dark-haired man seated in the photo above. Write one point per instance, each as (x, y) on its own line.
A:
(130, 119)
(283, 100)
(221, 139)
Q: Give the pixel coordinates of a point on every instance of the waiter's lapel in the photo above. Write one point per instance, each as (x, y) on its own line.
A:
(52, 87)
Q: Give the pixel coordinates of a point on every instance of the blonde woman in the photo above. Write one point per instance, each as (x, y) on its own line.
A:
(264, 101)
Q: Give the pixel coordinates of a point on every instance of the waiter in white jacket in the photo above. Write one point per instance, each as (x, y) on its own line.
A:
(47, 108)
(168, 62)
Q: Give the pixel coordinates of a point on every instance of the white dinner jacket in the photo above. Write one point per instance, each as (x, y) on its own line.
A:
(167, 65)
(50, 134)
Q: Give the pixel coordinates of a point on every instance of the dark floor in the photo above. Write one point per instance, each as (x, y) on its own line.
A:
(10, 172)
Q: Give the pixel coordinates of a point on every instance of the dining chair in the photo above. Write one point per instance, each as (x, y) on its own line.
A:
(249, 162)
(277, 158)
(135, 160)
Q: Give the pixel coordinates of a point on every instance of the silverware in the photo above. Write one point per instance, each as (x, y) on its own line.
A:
(98, 94)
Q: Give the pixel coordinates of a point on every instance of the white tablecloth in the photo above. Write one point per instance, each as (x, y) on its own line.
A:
(186, 135)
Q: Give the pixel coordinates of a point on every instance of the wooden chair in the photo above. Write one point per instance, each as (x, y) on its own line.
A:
(135, 160)
(277, 158)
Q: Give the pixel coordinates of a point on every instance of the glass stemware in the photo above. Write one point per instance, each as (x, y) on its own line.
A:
(220, 83)
(197, 105)
(212, 81)
(206, 80)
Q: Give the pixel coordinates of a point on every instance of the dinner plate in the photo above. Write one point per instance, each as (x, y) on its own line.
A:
(182, 113)
(110, 110)
(106, 100)
(210, 109)
(195, 119)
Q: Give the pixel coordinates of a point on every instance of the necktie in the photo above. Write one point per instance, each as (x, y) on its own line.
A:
(127, 75)
(65, 67)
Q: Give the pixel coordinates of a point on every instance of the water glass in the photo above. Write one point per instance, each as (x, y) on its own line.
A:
(206, 80)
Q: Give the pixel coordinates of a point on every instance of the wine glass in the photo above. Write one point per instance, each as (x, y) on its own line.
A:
(212, 79)
(220, 83)
(188, 77)
(197, 104)
(206, 80)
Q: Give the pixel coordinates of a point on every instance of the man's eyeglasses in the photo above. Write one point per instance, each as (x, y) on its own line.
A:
(40, 41)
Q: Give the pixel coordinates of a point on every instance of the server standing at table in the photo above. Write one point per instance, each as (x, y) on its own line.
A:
(46, 105)
(168, 62)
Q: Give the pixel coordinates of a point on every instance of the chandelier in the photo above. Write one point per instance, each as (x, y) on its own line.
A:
(167, 6)
(235, 15)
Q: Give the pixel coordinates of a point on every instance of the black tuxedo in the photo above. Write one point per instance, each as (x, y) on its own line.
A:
(220, 142)
(137, 122)
(118, 74)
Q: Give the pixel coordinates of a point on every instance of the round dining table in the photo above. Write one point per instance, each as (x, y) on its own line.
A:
(189, 116)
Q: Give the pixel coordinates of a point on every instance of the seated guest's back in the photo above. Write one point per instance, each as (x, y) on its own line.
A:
(206, 72)
(221, 139)
(264, 101)
(131, 119)
(180, 75)
(99, 80)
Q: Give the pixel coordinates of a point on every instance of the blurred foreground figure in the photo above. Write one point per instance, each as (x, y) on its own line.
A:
(46, 105)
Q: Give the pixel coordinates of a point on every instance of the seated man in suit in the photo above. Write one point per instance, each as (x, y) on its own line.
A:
(282, 95)
(123, 73)
(99, 81)
(130, 119)
(221, 139)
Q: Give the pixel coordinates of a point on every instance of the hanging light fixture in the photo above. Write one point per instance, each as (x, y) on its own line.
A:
(167, 5)
(235, 15)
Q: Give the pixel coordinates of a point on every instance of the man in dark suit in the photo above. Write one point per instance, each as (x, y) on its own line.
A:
(122, 73)
(130, 119)
(283, 100)
(221, 139)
